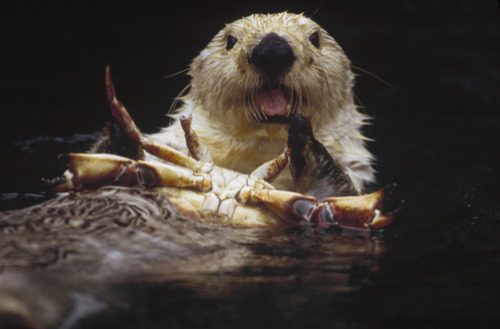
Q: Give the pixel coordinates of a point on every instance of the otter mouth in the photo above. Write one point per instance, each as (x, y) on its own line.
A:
(273, 104)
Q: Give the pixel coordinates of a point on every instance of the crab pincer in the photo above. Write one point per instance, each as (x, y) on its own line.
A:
(316, 173)
(91, 171)
(362, 212)
(358, 212)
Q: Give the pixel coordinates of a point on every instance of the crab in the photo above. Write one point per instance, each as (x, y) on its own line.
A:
(203, 192)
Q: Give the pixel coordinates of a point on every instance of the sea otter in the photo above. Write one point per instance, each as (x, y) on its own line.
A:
(253, 76)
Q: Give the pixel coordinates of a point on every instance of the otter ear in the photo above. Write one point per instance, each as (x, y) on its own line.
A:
(314, 38)
(231, 41)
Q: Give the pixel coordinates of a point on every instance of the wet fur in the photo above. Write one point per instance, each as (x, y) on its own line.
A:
(222, 99)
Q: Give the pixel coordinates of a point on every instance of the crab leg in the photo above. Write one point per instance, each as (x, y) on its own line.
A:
(119, 112)
(269, 170)
(196, 148)
(125, 121)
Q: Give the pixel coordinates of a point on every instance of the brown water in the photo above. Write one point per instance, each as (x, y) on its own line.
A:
(436, 131)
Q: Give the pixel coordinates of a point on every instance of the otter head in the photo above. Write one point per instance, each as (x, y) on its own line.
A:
(261, 70)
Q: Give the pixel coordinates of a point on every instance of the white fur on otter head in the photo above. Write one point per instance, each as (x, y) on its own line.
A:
(241, 105)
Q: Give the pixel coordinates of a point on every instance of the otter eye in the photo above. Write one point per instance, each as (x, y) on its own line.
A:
(231, 41)
(314, 38)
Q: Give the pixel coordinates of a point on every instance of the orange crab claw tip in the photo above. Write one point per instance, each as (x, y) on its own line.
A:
(383, 220)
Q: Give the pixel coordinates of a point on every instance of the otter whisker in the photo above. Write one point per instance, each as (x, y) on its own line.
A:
(178, 98)
(373, 76)
(176, 73)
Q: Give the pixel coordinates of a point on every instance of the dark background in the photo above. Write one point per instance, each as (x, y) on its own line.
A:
(435, 102)
(436, 62)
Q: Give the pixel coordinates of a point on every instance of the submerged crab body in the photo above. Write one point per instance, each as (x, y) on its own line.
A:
(207, 193)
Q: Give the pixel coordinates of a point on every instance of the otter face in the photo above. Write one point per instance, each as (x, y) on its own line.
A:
(263, 69)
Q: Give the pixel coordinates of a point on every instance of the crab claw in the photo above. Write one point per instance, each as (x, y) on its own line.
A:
(90, 171)
(360, 212)
(285, 204)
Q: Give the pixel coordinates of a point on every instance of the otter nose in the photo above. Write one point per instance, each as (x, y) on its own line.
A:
(273, 55)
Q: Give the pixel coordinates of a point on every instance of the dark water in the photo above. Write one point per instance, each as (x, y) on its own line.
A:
(436, 131)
